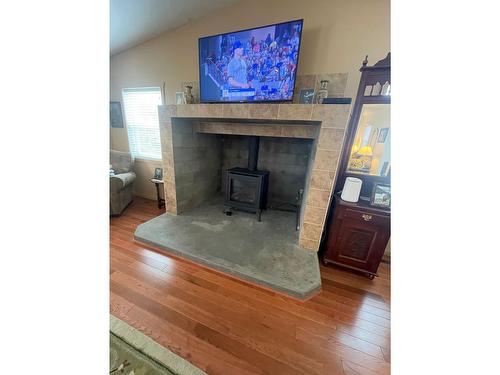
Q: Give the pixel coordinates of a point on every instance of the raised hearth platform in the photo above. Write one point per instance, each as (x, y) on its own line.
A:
(265, 253)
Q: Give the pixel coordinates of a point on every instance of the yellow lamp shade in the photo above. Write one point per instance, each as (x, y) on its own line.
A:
(355, 148)
(365, 151)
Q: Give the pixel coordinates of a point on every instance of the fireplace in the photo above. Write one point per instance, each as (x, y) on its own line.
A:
(204, 146)
(246, 188)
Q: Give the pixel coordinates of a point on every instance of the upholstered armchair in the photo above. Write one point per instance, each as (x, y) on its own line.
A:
(121, 181)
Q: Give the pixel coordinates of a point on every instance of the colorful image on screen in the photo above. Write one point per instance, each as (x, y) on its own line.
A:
(251, 65)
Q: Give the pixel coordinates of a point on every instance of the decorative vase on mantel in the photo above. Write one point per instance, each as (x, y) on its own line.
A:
(323, 91)
(189, 95)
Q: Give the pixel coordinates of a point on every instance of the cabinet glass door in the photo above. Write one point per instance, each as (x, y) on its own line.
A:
(371, 148)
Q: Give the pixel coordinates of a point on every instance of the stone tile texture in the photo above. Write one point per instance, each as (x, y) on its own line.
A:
(188, 152)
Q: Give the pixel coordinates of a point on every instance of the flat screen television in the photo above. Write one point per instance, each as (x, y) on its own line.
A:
(253, 65)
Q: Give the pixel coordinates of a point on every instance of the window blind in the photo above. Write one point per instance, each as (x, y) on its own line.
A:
(141, 115)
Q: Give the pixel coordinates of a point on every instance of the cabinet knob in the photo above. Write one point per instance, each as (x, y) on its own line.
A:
(367, 217)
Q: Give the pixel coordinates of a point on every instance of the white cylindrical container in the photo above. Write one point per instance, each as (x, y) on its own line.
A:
(351, 190)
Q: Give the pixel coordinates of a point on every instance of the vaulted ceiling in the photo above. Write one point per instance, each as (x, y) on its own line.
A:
(135, 21)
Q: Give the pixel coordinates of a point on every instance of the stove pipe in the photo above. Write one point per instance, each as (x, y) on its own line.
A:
(253, 152)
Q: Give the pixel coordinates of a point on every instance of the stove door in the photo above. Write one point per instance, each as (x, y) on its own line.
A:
(243, 191)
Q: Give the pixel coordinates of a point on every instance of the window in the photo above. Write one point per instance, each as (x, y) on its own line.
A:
(141, 113)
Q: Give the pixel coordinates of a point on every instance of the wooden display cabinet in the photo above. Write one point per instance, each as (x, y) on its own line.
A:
(357, 237)
(358, 233)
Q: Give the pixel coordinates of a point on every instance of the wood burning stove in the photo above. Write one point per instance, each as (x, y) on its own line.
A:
(246, 188)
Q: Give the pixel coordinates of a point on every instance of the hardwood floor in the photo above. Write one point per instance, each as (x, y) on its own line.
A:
(225, 326)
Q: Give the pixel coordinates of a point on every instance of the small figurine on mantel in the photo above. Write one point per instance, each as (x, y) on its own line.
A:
(189, 95)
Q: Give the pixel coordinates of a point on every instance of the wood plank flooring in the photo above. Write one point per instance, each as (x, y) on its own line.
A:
(225, 326)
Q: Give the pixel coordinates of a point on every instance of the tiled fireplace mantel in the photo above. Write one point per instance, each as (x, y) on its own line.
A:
(181, 126)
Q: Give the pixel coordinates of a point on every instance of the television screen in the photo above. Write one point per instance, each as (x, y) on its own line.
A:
(254, 65)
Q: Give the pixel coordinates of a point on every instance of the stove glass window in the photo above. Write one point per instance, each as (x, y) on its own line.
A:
(244, 191)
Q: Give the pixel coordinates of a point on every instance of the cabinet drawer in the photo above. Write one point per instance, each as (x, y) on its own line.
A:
(366, 216)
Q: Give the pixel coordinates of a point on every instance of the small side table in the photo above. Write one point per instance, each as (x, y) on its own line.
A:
(161, 201)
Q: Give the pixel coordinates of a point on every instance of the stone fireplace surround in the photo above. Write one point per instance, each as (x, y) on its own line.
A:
(191, 174)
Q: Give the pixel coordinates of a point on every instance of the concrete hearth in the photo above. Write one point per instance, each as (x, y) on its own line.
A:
(300, 148)
(266, 253)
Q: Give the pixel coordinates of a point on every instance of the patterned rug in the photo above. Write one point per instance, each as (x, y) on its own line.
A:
(133, 353)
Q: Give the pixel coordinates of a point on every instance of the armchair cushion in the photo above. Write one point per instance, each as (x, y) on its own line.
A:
(119, 181)
(121, 162)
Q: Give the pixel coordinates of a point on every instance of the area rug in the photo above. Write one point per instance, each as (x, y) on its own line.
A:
(133, 353)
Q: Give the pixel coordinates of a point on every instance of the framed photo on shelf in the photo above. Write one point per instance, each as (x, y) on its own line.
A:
(381, 195)
(180, 97)
(158, 174)
(382, 135)
(115, 115)
(306, 96)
